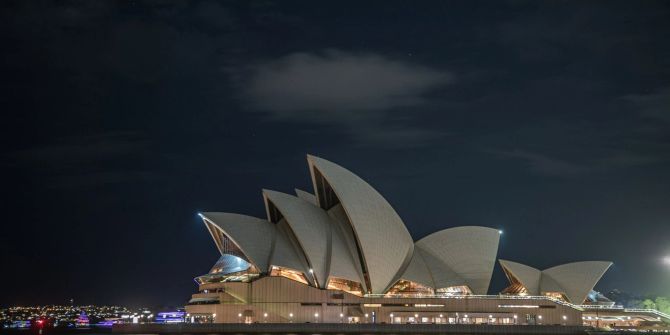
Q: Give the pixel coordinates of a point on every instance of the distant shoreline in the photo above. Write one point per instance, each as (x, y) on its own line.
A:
(48, 331)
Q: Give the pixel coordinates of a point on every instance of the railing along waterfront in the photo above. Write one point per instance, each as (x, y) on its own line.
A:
(631, 310)
(475, 296)
(648, 310)
(601, 306)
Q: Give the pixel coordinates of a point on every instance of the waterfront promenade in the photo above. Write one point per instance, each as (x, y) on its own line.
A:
(339, 328)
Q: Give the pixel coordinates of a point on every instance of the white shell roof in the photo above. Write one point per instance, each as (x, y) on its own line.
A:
(417, 271)
(341, 263)
(285, 253)
(348, 265)
(252, 235)
(385, 243)
(528, 276)
(577, 279)
(468, 251)
(309, 197)
(443, 276)
(311, 226)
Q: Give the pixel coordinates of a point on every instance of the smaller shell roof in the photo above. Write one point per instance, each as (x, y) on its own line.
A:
(311, 226)
(468, 251)
(575, 280)
(417, 271)
(252, 235)
(309, 197)
(229, 264)
(527, 276)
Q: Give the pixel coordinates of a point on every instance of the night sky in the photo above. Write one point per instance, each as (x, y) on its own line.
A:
(121, 120)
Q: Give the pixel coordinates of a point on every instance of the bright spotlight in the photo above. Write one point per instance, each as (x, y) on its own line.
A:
(500, 232)
(666, 260)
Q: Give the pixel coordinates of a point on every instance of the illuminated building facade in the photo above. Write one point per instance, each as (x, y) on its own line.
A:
(342, 254)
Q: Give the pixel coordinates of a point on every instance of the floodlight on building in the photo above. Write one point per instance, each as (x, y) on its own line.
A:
(500, 231)
(265, 315)
(565, 317)
(290, 315)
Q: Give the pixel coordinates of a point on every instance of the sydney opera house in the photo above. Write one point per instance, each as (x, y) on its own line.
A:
(342, 254)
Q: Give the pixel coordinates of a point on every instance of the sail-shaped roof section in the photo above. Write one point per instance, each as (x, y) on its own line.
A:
(310, 225)
(385, 245)
(527, 276)
(468, 251)
(341, 263)
(304, 195)
(253, 236)
(417, 271)
(577, 279)
(573, 280)
(285, 252)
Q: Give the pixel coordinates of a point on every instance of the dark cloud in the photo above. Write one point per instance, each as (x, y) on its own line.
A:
(547, 165)
(654, 105)
(356, 91)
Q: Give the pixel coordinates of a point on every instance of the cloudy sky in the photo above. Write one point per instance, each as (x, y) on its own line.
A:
(122, 119)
